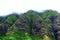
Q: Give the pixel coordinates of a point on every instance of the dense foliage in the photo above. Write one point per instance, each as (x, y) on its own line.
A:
(31, 25)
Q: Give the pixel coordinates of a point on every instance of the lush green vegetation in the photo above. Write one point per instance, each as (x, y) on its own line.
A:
(31, 25)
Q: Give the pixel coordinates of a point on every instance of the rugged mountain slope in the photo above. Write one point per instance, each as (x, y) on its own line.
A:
(34, 22)
(6, 22)
(31, 22)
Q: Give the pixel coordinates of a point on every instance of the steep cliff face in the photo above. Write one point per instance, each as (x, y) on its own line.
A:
(58, 21)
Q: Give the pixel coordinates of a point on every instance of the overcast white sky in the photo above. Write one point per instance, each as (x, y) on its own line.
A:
(21, 6)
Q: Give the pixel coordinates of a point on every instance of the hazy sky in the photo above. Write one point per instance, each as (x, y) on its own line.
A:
(21, 6)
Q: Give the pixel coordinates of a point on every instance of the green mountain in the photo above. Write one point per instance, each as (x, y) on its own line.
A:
(31, 25)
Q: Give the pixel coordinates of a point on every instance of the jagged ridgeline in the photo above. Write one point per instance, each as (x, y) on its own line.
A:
(31, 22)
